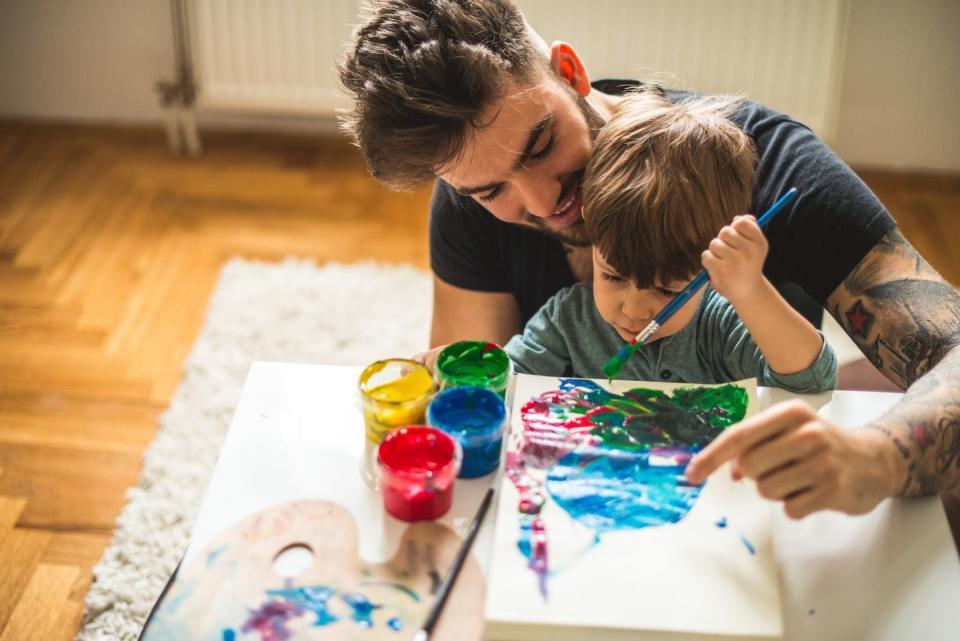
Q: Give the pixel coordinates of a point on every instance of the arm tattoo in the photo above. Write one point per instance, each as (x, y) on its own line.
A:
(906, 320)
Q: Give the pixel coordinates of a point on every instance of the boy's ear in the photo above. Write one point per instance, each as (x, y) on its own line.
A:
(565, 62)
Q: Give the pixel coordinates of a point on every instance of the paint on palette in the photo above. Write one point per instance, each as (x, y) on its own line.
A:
(611, 461)
(214, 554)
(270, 620)
(399, 587)
(310, 599)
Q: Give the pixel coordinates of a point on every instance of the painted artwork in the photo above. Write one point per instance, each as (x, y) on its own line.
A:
(593, 494)
(233, 592)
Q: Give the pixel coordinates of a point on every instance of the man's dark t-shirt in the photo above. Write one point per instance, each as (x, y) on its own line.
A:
(814, 243)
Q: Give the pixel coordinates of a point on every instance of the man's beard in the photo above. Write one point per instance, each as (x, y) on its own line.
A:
(574, 235)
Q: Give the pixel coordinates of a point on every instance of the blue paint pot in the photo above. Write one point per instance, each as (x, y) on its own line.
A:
(475, 417)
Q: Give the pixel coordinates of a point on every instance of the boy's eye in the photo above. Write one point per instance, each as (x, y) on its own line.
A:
(667, 293)
(613, 278)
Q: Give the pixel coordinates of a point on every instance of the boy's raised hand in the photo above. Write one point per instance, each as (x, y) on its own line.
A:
(735, 257)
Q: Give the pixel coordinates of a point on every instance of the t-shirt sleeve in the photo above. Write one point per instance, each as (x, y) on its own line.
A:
(835, 219)
(735, 354)
(542, 348)
(464, 244)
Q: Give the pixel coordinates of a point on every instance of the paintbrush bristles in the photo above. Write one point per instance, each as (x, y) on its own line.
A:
(612, 367)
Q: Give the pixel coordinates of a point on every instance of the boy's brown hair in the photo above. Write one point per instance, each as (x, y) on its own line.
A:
(662, 181)
(421, 74)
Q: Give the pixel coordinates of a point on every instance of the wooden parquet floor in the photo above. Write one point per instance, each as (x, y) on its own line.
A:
(109, 249)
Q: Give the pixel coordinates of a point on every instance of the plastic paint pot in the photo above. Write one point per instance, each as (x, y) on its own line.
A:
(418, 465)
(475, 417)
(473, 364)
(394, 392)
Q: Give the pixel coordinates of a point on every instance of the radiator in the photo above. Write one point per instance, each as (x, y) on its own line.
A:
(278, 55)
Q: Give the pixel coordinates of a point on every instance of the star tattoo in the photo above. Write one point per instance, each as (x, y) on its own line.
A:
(859, 319)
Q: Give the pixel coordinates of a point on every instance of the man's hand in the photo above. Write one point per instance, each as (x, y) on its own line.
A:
(735, 259)
(808, 463)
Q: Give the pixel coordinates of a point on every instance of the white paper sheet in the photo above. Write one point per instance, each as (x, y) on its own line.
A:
(690, 579)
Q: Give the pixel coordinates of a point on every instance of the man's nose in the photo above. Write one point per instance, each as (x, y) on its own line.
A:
(539, 195)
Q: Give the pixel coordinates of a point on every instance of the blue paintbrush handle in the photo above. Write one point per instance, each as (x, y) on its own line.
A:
(694, 285)
(682, 297)
(776, 207)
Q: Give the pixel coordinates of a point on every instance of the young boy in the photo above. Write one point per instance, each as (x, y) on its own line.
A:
(660, 195)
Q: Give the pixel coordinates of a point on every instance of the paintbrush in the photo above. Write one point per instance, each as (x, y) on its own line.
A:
(613, 366)
(447, 586)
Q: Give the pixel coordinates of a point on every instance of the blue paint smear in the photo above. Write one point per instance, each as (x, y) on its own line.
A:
(749, 545)
(574, 558)
(172, 604)
(214, 554)
(396, 586)
(312, 598)
(362, 608)
(722, 522)
(229, 634)
(395, 624)
(524, 543)
(612, 489)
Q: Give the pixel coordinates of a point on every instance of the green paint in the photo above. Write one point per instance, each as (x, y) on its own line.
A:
(612, 367)
(716, 404)
(644, 418)
(473, 363)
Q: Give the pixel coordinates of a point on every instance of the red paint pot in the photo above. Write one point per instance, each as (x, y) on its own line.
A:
(417, 467)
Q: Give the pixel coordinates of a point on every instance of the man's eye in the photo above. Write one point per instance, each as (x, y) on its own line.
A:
(613, 278)
(543, 151)
(490, 195)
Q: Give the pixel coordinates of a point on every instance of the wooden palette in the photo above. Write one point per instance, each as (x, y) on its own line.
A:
(231, 592)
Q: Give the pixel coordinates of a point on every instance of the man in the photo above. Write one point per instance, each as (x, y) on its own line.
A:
(465, 92)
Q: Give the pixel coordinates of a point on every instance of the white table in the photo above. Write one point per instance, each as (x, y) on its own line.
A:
(298, 434)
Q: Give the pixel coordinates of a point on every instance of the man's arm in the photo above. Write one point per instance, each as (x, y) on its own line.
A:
(464, 314)
(906, 320)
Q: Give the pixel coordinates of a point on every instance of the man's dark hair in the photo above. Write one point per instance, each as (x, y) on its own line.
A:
(422, 73)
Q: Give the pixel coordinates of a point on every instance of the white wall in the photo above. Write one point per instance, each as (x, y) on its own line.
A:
(900, 98)
(99, 59)
(87, 59)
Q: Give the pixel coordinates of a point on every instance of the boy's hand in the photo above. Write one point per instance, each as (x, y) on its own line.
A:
(429, 358)
(735, 259)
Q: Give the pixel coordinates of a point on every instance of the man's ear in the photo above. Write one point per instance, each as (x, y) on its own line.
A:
(565, 62)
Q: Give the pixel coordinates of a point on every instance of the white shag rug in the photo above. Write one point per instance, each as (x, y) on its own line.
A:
(291, 311)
